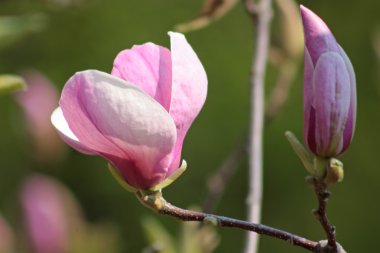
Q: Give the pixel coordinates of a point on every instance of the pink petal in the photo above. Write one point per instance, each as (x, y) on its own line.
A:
(119, 121)
(309, 122)
(149, 67)
(64, 131)
(189, 90)
(350, 124)
(331, 100)
(318, 37)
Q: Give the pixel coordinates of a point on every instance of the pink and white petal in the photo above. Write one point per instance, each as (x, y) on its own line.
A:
(350, 125)
(331, 100)
(122, 115)
(307, 93)
(189, 89)
(149, 67)
(64, 131)
(318, 37)
(176, 156)
(77, 118)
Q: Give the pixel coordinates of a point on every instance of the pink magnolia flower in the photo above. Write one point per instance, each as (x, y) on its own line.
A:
(38, 102)
(137, 118)
(329, 90)
(44, 209)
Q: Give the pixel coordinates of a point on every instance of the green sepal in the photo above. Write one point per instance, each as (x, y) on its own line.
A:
(170, 179)
(303, 154)
(115, 173)
(335, 172)
(315, 166)
(320, 166)
(10, 83)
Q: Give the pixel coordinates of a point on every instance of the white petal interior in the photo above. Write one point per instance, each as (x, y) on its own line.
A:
(60, 123)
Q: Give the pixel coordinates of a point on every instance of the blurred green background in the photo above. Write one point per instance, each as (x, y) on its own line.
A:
(89, 36)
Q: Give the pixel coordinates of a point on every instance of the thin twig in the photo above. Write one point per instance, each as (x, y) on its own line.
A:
(287, 67)
(323, 195)
(261, 13)
(156, 202)
(218, 182)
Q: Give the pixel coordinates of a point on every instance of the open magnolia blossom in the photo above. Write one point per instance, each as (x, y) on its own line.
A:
(329, 90)
(136, 118)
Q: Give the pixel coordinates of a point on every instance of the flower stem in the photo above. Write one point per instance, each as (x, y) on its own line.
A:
(320, 213)
(156, 202)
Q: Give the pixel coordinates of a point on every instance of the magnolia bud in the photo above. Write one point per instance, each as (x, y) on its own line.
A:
(329, 90)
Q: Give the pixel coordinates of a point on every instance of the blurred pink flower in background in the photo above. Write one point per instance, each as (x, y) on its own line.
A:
(137, 118)
(37, 103)
(54, 223)
(46, 221)
(329, 90)
(6, 237)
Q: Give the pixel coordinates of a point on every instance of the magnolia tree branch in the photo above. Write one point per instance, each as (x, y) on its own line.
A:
(261, 14)
(287, 67)
(323, 195)
(156, 202)
(218, 182)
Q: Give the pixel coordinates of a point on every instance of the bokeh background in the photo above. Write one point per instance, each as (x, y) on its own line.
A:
(63, 39)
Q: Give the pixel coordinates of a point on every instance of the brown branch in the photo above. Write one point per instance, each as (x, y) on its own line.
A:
(261, 14)
(320, 213)
(156, 202)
